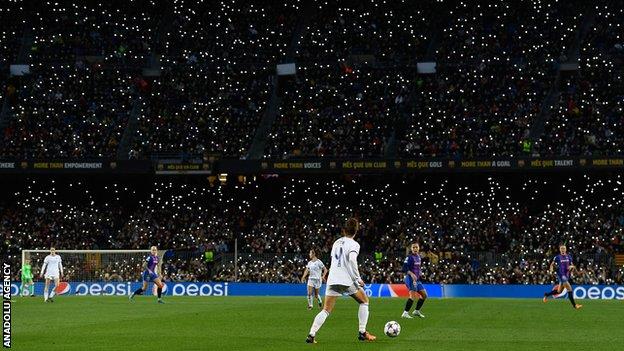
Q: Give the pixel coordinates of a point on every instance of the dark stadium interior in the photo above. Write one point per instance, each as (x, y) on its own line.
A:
(236, 135)
(156, 80)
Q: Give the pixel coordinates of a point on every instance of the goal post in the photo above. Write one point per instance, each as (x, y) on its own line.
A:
(95, 265)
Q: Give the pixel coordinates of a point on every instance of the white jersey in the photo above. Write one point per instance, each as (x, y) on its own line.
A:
(52, 266)
(316, 269)
(341, 271)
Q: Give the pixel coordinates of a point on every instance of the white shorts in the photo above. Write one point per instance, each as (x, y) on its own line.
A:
(51, 277)
(341, 290)
(315, 283)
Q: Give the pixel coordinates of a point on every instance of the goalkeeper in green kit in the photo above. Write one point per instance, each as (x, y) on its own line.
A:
(27, 286)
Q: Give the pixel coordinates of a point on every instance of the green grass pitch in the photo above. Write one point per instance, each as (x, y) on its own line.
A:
(273, 323)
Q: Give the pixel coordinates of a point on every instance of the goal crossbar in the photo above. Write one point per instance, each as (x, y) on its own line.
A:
(82, 251)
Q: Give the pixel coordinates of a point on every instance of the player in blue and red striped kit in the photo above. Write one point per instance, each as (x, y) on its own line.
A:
(411, 268)
(150, 274)
(564, 268)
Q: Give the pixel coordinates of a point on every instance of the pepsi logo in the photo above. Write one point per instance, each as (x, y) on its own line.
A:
(63, 288)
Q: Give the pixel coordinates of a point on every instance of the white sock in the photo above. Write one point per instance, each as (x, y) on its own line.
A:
(45, 293)
(310, 300)
(52, 292)
(319, 299)
(318, 322)
(363, 316)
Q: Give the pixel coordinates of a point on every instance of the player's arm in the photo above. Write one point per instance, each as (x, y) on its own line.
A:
(406, 270)
(324, 275)
(572, 267)
(352, 267)
(145, 265)
(43, 268)
(305, 274)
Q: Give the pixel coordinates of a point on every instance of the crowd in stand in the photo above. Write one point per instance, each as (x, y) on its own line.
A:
(64, 33)
(489, 231)
(396, 32)
(217, 62)
(190, 112)
(10, 33)
(75, 99)
(90, 69)
(68, 113)
(336, 111)
(192, 79)
(188, 78)
(354, 61)
(495, 64)
(589, 118)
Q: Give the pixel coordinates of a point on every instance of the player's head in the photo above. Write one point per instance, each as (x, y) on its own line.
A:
(312, 253)
(351, 227)
(563, 249)
(415, 247)
(154, 250)
(52, 251)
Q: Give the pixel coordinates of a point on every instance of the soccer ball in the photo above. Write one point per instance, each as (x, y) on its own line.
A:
(392, 329)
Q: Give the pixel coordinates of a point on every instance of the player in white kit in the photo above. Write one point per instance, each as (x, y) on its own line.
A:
(344, 279)
(317, 272)
(52, 269)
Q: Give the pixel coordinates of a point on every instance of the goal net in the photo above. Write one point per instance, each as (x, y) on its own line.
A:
(94, 265)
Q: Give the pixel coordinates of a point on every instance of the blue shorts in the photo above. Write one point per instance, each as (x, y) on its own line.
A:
(409, 282)
(149, 277)
(563, 279)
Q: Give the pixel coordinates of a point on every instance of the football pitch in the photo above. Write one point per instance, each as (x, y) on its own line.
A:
(274, 323)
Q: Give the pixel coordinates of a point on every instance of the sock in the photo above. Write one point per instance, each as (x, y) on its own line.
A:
(571, 297)
(309, 300)
(363, 317)
(408, 305)
(159, 291)
(419, 304)
(319, 299)
(52, 293)
(138, 291)
(318, 322)
(31, 288)
(45, 293)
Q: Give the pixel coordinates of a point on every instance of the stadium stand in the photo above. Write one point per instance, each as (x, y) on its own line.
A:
(147, 80)
(485, 230)
(357, 92)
